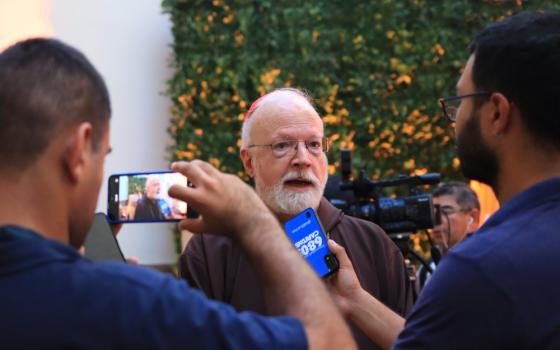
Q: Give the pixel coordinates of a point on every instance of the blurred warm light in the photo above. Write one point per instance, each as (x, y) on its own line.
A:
(488, 201)
(23, 19)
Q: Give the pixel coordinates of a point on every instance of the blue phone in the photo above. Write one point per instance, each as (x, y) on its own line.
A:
(307, 234)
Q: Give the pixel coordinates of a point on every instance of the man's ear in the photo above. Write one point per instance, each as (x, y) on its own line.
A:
(247, 160)
(501, 113)
(77, 152)
(474, 221)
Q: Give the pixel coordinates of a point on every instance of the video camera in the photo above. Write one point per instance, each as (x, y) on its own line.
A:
(395, 215)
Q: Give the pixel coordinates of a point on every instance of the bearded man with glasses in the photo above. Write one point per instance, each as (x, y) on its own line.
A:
(283, 150)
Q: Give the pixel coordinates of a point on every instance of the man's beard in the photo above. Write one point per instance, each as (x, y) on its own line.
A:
(284, 201)
(478, 161)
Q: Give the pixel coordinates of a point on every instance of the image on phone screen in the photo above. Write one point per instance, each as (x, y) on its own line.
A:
(142, 197)
(308, 236)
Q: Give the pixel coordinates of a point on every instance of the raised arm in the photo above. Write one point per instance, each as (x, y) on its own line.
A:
(229, 206)
(376, 320)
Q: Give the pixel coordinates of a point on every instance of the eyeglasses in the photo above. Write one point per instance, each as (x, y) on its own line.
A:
(450, 104)
(448, 210)
(283, 148)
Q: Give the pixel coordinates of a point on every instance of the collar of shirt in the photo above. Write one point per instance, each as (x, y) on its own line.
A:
(534, 196)
(329, 215)
(21, 249)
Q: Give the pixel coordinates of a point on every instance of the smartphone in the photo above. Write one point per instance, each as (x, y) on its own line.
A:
(307, 234)
(142, 197)
(101, 244)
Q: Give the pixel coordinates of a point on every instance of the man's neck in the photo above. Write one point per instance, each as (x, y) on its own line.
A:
(519, 174)
(283, 218)
(28, 201)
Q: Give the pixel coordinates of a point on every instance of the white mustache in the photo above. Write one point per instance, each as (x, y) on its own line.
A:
(296, 175)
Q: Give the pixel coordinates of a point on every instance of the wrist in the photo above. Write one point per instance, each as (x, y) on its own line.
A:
(356, 300)
(256, 227)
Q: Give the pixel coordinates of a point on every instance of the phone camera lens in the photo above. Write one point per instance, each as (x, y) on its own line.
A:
(307, 215)
(331, 262)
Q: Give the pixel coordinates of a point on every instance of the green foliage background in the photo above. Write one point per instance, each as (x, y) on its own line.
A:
(137, 184)
(375, 69)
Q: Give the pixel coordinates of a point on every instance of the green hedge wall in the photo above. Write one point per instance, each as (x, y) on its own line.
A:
(375, 69)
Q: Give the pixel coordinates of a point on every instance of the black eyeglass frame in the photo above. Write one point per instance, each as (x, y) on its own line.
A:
(325, 144)
(453, 117)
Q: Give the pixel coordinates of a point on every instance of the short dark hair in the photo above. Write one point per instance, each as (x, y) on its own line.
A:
(46, 86)
(520, 58)
(463, 194)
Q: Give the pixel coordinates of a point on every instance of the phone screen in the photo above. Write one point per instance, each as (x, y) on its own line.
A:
(142, 197)
(307, 234)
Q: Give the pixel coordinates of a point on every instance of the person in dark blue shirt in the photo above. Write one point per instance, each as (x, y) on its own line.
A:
(51, 297)
(498, 289)
(54, 136)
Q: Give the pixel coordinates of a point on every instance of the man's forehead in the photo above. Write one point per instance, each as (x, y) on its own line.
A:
(446, 200)
(152, 180)
(276, 114)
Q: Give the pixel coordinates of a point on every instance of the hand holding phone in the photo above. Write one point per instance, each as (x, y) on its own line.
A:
(345, 286)
(142, 197)
(307, 234)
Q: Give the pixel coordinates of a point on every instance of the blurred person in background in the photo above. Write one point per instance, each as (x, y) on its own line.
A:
(459, 213)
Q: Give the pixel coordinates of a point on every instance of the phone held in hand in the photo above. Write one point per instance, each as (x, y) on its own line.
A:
(307, 234)
(101, 244)
(142, 197)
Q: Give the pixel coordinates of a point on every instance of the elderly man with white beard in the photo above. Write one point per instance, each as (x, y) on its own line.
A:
(283, 150)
